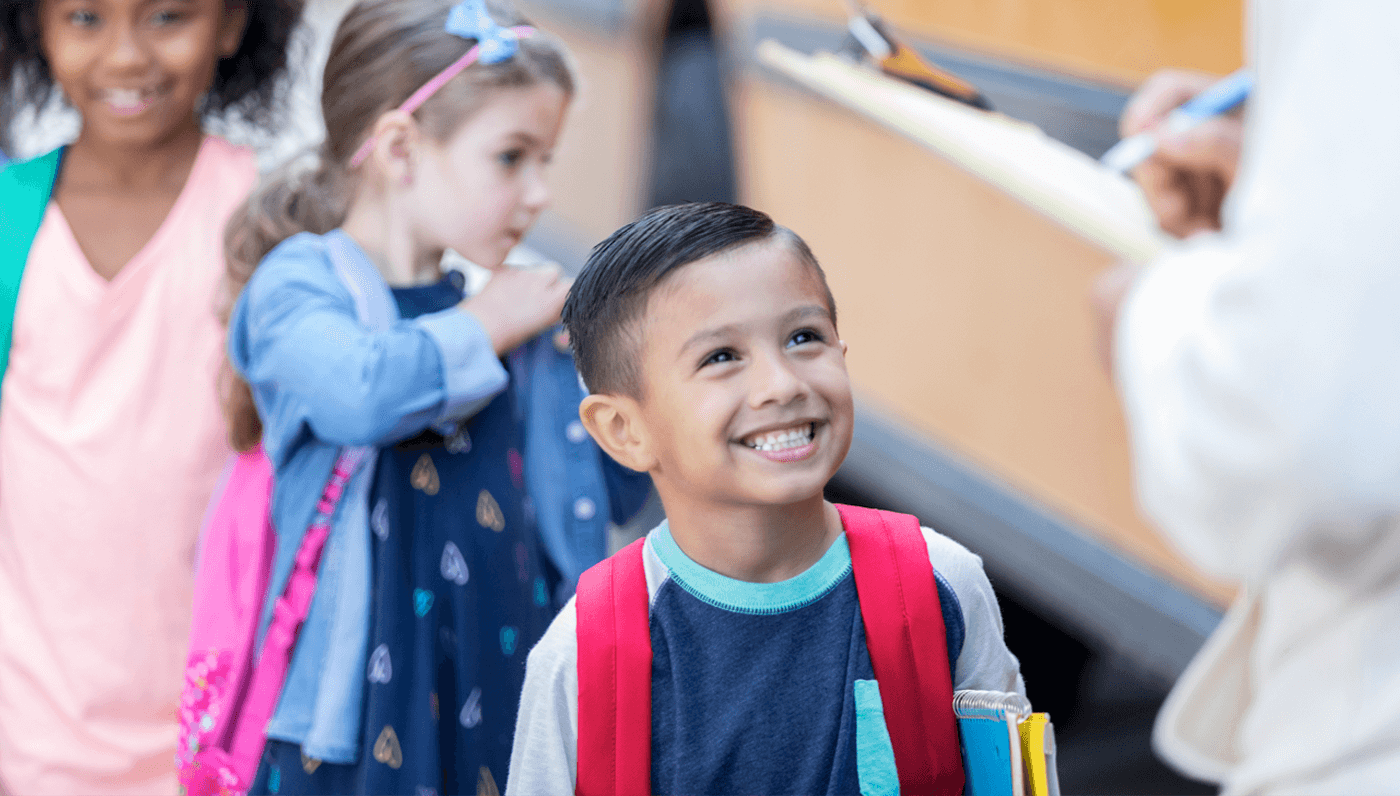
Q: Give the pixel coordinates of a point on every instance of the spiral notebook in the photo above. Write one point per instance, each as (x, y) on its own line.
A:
(1067, 186)
(1007, 749)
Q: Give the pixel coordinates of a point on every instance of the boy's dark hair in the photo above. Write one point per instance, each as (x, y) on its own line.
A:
(611, 292)
(245, 82)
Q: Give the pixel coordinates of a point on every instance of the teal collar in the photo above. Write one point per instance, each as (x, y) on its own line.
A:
(753, 598)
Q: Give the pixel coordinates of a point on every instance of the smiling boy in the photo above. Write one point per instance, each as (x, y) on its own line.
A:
(707, 336)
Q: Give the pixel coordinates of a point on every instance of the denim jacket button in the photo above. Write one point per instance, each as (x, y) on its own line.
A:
(584, 509)
(576, 432)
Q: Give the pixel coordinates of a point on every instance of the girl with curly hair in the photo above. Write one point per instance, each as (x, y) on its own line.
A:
(111, 432)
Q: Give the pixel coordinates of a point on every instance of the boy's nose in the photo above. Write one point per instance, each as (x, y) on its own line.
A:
(775, 382)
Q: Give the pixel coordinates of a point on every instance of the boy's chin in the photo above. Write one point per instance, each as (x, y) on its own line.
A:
(787, 492)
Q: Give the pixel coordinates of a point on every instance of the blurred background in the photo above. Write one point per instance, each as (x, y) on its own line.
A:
(981, 405)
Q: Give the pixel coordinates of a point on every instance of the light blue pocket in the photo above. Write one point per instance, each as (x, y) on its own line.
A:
(874, 755)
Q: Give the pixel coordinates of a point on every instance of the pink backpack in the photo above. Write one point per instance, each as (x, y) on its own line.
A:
(231, 692)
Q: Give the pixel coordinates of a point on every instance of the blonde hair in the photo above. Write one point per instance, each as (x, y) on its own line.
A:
(383, 51)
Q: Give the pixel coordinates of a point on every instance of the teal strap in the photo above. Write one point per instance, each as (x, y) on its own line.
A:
(25, 188)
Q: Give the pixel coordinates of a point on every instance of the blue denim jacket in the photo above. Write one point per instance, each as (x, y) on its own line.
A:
(317, 336)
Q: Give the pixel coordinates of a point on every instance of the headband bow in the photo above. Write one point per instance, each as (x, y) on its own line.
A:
(470, 20)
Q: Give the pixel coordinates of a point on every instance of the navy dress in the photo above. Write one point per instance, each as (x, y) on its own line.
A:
(461, 592)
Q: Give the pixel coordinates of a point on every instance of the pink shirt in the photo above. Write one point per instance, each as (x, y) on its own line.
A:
(111, 439)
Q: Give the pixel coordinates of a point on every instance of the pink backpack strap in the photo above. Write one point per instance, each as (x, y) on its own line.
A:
(288, 613)
(908, 647)
(614, 677)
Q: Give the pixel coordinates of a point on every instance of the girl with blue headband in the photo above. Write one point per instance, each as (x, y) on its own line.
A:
(483, 499)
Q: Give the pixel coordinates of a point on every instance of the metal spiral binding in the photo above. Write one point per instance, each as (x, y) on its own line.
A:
(972, 704)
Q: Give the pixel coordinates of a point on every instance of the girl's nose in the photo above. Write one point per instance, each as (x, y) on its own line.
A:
(775, 381)
(125, 48)
(537, 194)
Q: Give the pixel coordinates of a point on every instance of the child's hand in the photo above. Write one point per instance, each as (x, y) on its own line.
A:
(1187, 178)
(519, 303)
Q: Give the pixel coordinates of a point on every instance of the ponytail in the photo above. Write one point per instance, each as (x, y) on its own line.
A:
(297, 198)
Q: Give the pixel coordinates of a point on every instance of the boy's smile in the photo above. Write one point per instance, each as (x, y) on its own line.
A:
(745, 397)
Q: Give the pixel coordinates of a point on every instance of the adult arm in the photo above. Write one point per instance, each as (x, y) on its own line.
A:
(1258, 366)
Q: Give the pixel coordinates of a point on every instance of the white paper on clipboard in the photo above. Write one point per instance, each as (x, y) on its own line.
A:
(1067, 186)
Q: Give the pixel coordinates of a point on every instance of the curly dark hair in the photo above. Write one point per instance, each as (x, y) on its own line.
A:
(246, 82)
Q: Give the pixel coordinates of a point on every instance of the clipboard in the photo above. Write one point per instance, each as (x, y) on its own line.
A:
(1065, 185)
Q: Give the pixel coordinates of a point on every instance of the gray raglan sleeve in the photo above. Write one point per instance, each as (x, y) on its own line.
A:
(544, 760)
(985, 663)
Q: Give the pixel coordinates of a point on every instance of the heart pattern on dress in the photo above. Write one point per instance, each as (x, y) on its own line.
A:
(379, 520)
(517, 468)
(458, 441)
(510, 637)
(486, 784)
(381, 668)
(387, 749)
(424, 477)
(470, 716)
(488, 512)
(453, 566)
(422, 602)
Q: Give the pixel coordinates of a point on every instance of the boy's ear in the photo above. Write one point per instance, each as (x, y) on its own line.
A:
(232, 27)
(615, 423)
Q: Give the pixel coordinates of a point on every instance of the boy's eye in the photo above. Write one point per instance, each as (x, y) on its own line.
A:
(805, 336)
(719, 357)
(511, 158)
(165, 17)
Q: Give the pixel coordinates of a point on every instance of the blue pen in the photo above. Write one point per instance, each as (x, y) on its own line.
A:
(1215, 100)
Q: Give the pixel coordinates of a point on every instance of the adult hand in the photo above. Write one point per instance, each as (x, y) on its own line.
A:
(519, 303)
(1187, 178)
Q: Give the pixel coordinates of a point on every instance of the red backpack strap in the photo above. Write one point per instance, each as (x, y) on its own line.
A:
(908, 647)
(614, 677)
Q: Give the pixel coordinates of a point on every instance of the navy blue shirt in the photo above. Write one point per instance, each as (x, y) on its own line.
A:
(766, 688)
(758, 687)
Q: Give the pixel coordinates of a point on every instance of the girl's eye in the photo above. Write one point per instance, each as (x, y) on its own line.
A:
(511, 158)
(83, 18)
(719, 357)
(805, 336)
(165, 17)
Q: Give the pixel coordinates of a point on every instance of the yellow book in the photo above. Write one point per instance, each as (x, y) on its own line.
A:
(1038, 755)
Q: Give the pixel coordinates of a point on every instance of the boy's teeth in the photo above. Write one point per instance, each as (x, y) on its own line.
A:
(782, 440)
